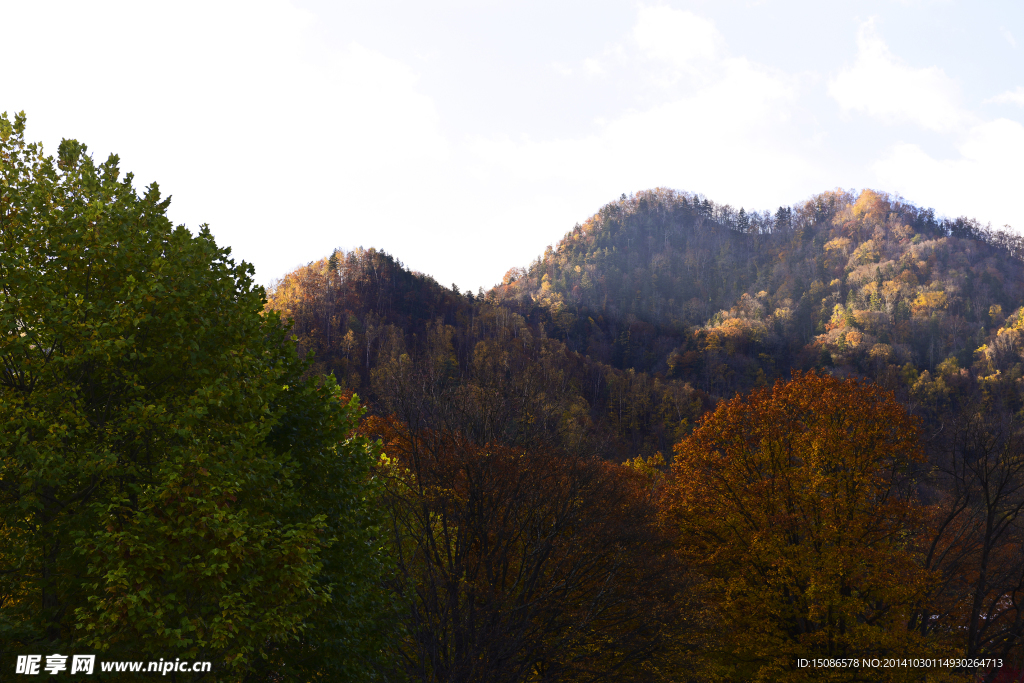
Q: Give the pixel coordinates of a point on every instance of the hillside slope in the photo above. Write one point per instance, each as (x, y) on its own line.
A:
(661, 304)
(671, 284)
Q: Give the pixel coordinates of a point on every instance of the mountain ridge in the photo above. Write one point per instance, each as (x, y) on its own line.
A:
(661, 304)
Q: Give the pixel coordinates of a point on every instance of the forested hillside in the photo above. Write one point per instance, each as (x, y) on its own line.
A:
(694, 443)
(660, 305)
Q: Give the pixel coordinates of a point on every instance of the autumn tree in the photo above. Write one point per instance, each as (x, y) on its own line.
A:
(524, 564)
(169, 486)
(793, 503)
(975, 538)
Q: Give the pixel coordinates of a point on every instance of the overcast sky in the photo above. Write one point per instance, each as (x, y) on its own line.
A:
(464, 137)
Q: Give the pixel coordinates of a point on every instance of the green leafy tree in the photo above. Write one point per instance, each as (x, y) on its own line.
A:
(169, 485)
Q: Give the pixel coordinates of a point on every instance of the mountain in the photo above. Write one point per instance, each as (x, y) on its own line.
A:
(661, 304)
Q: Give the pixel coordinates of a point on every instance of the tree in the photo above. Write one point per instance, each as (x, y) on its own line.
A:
(792, 502)
(524, 564)
(976, 543)
(168, 483)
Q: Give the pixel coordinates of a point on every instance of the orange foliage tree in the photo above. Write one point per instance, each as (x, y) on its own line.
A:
(523, 564)
(793, 502)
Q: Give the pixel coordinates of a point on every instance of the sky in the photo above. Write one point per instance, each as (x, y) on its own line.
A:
(464, 137)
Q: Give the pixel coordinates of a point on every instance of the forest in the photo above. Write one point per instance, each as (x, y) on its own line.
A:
(668, 337)
(687, 443)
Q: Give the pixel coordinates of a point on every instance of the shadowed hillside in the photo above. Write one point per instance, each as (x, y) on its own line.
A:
(661, 304)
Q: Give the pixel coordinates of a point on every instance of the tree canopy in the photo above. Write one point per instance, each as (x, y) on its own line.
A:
(169, 482)
(794, 504)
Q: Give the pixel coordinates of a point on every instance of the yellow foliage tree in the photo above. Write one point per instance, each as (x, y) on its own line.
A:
(791, 503)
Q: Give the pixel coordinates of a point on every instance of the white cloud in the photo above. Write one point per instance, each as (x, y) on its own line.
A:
(880, 85)
(728, 128)
(1009, 37)
(987, 174)
(378, 116)
(1009, 97)
(561, 69)
(683, 39)
(728, 135)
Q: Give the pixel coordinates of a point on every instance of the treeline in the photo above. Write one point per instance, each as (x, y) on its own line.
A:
(813, 519)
